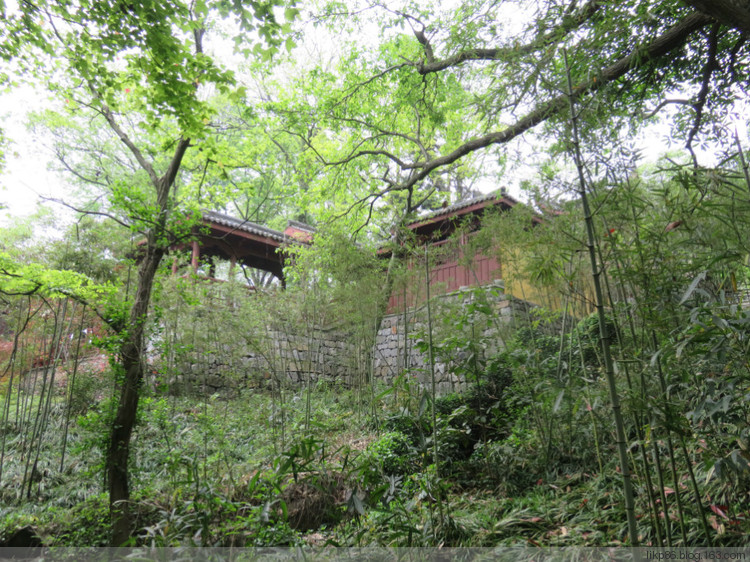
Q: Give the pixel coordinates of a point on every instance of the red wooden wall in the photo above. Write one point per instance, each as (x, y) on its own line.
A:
(447, 276)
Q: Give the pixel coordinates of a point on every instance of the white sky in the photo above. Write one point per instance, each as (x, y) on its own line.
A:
(25, 176)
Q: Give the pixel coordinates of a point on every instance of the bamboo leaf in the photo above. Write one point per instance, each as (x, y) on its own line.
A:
(693, 285)
(558, 401)
(355, 503)
(423, 402)
(655, 358)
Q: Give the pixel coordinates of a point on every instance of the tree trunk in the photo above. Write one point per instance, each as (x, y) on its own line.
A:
(131, 355)
(132, 347)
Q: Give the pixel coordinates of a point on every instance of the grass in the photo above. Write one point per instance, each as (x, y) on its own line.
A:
(209, 465)
(246, 471)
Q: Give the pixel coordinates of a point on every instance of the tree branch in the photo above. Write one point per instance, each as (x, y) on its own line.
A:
(732, 13)
(109, 116)
(665, 103)
(84, 211)
(700, 102)
(76, 173)
(733, 55)
(569, 24)
(353, 155)
(354, 89)
(174, 166)
(386, 132)
(671, 39)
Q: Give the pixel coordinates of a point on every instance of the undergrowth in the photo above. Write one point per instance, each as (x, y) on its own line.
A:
(525, 457)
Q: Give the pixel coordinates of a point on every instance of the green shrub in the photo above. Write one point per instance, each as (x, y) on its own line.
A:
(393, 453)
(484, 411)
(531, 338)
(86, 524)
(413, 425)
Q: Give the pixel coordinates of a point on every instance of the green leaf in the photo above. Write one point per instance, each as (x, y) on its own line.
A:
(693, 285)
(558, 401)
(290, 14)
(355, 504)
(423, 403)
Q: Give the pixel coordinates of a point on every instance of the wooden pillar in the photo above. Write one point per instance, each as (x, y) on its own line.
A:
(232, 266)
(195, 256)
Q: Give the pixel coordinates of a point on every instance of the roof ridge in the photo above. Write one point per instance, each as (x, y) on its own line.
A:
(242, 224)
(301, 225)
(497, 194)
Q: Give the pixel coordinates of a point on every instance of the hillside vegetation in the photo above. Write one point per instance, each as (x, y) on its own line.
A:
(153, 394)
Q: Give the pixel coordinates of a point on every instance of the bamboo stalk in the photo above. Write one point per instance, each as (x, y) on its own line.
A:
(662, 494)
(12, 366)
(696, 492)
(55, 353)
(743, 162)
(670, 445)
(431, 359)
(662, 383)
(637, 420)
(609, 367)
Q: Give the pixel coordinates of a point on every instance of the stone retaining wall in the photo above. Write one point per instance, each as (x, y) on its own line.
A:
(329, 355)
(277, 358)
(397, 344)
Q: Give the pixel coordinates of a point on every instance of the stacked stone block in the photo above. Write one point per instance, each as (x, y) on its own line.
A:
(327, 355)
(395, 351)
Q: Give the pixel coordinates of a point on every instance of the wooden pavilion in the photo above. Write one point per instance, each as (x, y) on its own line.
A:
(244, 242)
(449, 271)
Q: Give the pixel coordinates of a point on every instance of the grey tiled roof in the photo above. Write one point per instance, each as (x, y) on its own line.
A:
(243, 225)
(301, 225)
(451, 209)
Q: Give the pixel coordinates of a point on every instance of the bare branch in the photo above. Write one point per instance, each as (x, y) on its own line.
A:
(422, 38)
(401, 164)
(370, 210)
(386, 132)
(422, 201)
(84, 211)
(354, 154)
(354, 89)
(487, 54)
(76, 173)
(370, 196)
(664, 104)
